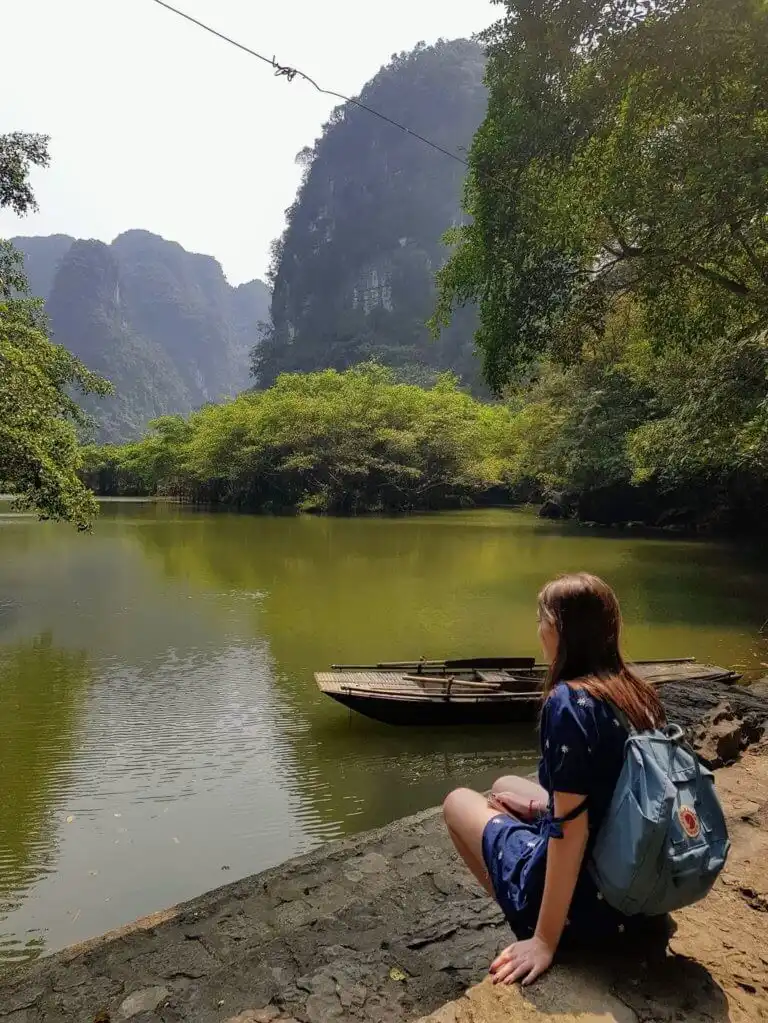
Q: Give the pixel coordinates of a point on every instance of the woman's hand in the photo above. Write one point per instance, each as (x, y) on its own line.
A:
(512, 804)
(523, 961)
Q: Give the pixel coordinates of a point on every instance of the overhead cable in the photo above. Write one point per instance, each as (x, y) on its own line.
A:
(290, 73)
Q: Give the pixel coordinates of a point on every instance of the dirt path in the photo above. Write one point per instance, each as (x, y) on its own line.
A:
(728, 932)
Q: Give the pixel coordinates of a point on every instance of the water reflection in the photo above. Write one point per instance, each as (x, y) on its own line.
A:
(169, 760)
(41, 695)
(167, 726)
(325, 590)
(334, 589)
(318, 592)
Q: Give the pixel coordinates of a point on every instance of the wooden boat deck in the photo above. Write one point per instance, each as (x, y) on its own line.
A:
(398, 687)
(435, 683)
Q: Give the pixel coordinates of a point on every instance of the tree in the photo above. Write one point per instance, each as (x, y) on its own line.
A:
(18, 153)
(713, 421)
(572, 423)
(334, 442)
(624, 151)
(39, 453)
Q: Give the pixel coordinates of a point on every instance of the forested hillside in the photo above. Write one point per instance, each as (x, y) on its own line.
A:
(162, 324)
(617, 247)
(610, 258)
(354, 270)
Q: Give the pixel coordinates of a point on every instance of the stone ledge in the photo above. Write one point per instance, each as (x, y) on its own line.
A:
(387, 925)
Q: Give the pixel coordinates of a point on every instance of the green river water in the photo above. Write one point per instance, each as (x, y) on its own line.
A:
(160, 731)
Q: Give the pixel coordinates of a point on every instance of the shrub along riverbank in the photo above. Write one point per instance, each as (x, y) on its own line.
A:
(631, 431)
(621, 436)
(341, 443)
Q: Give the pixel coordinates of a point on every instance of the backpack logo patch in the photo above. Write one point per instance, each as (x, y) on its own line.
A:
(689, 821)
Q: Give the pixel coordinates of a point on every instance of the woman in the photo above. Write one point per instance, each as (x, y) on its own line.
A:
(528, 844)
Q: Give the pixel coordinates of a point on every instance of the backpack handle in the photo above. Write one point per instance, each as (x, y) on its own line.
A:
(676, 734)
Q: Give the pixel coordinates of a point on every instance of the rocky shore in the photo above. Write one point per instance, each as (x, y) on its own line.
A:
(389, 927)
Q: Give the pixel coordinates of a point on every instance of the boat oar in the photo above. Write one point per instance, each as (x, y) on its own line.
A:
(434, 697)
(451, 680)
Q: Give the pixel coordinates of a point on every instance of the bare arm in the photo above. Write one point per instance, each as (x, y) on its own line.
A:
(564, 859)
(527, 960)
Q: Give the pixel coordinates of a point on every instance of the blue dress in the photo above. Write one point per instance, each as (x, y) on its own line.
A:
(582, 751)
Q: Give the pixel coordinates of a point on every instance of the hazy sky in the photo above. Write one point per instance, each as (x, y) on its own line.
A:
(156, 124)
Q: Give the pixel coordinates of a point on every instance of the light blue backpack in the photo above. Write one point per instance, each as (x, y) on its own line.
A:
(664, 839)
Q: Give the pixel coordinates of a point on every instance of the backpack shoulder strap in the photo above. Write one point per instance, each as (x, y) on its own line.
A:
(622, 718)
(554, 825)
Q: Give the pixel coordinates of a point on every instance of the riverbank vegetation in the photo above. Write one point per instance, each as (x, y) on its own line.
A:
(39, 451)
(341, 443)
(614, 248)
(618, 252)
(623, 434)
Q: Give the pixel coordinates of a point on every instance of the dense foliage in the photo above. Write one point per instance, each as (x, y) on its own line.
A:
(19, 152)
(333, 442)
(618, 246)
(39, 453)
(354, 271)
(161, 323)
(612, 252)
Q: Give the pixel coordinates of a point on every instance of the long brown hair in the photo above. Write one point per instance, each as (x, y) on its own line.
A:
(585, 613)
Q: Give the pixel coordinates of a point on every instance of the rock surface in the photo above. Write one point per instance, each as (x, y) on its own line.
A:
(389, 927)
(696, 708)
(144, 1000)
(724, 735)
(552, 509)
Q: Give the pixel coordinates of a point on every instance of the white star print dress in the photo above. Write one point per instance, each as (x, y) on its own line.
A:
(582, 751)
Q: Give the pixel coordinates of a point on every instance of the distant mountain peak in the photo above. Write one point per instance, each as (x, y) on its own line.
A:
(162, 324)
(354, 270)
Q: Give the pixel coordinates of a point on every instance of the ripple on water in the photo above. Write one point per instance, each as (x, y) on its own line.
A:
(178, 770)
(147, 740)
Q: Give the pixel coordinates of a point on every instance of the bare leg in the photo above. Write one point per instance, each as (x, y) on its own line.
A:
(466, 815)
(476, 867)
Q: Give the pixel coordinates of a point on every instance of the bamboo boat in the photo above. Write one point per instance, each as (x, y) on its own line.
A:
(470, 691)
